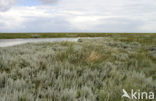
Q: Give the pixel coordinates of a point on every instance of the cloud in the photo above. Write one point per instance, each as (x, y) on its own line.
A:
(6, 4)
(81, 16)
(32, 19)
(85, 22)
(48, 1)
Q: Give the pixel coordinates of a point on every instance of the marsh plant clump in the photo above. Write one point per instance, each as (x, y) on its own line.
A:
(87, 70)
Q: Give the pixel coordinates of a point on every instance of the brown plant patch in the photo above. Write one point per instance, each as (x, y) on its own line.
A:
(94, 56)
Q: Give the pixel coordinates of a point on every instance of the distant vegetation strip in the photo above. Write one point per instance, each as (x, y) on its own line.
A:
(60, 35)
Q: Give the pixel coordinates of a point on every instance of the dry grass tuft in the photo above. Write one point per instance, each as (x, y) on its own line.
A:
(94, 56)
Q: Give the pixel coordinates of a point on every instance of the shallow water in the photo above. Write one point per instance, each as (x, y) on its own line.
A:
(13, 42)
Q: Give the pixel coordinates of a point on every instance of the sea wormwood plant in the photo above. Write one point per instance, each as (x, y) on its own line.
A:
(88, 70)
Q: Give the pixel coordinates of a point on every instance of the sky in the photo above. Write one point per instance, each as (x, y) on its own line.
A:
(77, 15)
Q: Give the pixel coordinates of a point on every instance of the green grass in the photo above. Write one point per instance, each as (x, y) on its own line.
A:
(87, 70)
(59, 35)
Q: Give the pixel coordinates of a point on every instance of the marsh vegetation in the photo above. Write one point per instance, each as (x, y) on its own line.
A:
(65, 35)
(87, 70)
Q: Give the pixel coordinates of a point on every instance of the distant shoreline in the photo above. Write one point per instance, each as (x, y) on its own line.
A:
(63, 35)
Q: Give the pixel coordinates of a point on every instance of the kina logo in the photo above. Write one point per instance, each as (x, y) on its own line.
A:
(138, 95)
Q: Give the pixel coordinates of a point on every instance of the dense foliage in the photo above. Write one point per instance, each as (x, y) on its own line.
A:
(87, 70)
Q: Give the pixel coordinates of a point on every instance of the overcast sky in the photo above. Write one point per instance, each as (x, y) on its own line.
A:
(77, 15)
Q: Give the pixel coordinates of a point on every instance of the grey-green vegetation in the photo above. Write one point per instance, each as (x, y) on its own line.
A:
(87, 70)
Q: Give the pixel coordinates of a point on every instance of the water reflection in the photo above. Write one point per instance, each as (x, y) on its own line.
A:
(12, 42)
